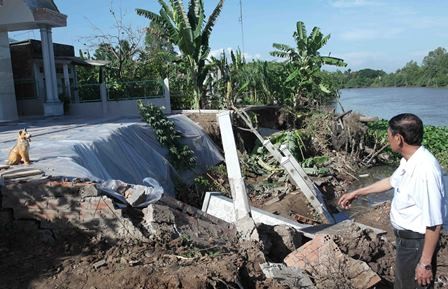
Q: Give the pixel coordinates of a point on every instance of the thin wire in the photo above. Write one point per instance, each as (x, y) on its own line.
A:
(242, 24)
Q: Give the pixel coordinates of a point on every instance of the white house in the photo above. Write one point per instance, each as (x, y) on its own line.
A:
(18, 15)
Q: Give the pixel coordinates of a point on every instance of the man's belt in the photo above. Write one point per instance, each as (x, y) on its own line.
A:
(407, 234)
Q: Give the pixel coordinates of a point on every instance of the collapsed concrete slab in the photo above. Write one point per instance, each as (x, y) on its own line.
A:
(330, 267)
(217, 205)
(289, 276)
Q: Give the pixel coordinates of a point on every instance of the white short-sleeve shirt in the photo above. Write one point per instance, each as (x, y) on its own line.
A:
(419, 196)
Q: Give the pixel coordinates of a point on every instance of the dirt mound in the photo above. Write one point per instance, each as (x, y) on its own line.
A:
(363, 244)
(42, 246)
(378, 217)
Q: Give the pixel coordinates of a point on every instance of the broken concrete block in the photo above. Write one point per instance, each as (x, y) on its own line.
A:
(291, 238)
(290, 276)
(135, 196)
(158, 220)
(278, 241)
(158, 214)
(88, 191)
(329, 266)
(247, 229)
(99, 264)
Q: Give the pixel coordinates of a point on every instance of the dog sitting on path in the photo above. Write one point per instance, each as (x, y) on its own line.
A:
(21, 151)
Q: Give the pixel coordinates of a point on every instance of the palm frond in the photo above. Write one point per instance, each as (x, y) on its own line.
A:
(193, 13)
(325, 40)
(282, 47)
(166, 8)
(184, 27)
(329, 60)
(280, 54)
(211, 23)
(168, 25)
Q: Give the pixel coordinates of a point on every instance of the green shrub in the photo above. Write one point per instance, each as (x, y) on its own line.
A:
(180, 155)
(435, 140)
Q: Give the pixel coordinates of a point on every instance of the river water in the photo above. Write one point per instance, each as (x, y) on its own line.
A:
(430, 104)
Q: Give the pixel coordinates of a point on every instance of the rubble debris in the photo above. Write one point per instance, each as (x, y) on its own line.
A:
(59, 208)
(329, 267)
(221, 207)
(99, 264)
(295, 171)
(190, 249)
(137, 196)
(343, 228)
(290, 276)
(279, 241)
(379, 253)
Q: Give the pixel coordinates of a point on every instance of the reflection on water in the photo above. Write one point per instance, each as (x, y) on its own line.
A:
(373, 174)
(430, 104)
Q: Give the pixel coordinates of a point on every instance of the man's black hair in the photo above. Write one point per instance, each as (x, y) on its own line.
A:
(409, 126)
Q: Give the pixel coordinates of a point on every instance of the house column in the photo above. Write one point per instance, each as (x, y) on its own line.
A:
(8, 105)
(52, 105)
(68, 91)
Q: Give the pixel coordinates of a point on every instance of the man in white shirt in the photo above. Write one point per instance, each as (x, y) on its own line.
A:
(417, 209)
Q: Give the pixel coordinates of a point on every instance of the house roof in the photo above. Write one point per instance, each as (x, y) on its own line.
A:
(46, 4)
(30, 14)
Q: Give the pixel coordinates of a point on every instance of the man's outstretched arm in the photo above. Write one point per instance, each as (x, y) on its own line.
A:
(378, 187)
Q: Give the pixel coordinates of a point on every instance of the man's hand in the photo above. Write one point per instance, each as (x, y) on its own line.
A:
(423, 276)
(346, 200)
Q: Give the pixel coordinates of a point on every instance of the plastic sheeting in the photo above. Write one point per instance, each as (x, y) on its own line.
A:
(137, 196)
(123, 149)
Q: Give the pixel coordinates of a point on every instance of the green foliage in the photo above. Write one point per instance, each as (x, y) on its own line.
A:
(293, 141)
(190, 32)
(304, 65)
(435, 140)
(433, 72)
(180, 156)
(239, 81)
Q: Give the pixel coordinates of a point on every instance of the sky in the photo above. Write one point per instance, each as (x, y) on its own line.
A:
(377, 34)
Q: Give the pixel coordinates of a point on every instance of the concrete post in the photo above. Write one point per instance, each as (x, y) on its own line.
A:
(8, 105)
(75, 85)
(237, 187)
(68, 91)
(167, 95)
(54, 80)
(244, 222)
(103, 94)
(52, 105)
(36, 74)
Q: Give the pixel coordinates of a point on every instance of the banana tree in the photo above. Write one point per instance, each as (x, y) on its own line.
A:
(305, 62)
(190, 32)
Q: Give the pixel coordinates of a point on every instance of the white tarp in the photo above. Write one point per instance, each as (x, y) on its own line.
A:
(123, 149)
